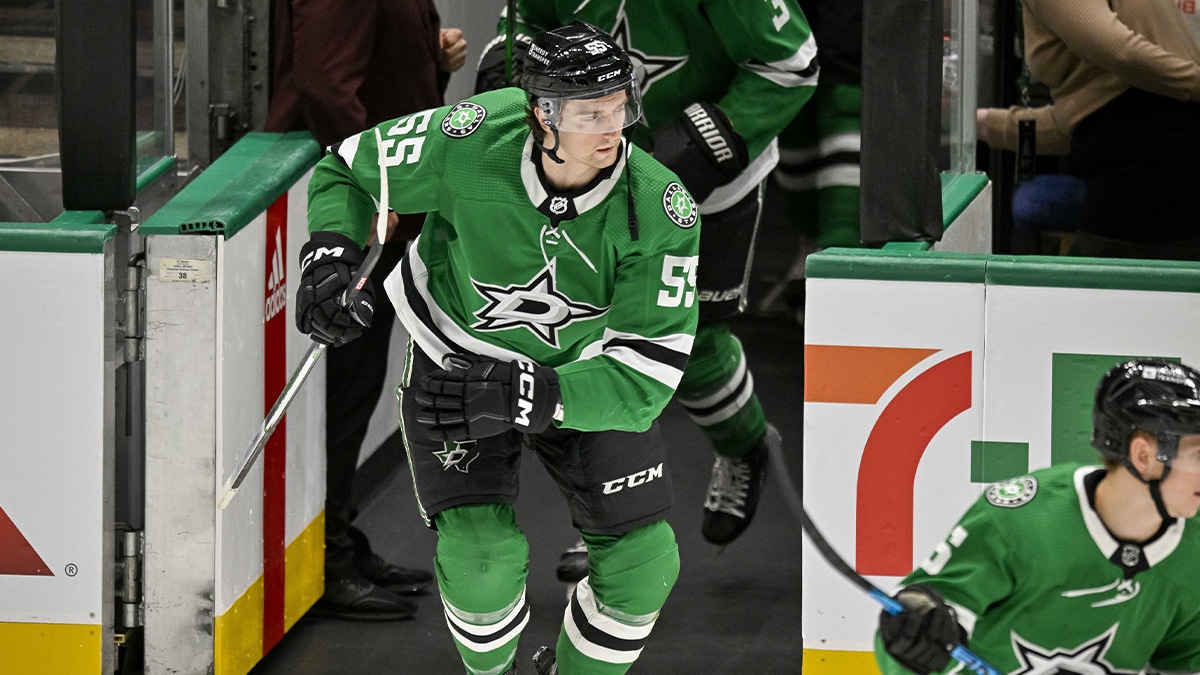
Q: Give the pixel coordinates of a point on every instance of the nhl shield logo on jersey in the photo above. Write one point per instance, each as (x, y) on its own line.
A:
(558, 205)
(463, 119)
(679, 206)
(1013, 493)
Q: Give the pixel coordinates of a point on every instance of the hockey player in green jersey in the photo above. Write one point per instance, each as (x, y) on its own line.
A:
(720, 80)
(551, 302)
(1075, 569)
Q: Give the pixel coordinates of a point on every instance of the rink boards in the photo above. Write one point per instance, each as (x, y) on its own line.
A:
(929, 376)
(56, 447)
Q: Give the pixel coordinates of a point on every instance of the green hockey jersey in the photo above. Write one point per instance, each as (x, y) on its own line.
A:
(1043, 588)
(756, 60)
(506, 267)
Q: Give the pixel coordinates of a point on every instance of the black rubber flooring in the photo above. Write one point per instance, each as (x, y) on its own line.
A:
(733, 612)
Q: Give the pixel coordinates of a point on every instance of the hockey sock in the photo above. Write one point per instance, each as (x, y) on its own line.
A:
(613, 610)
(839, 123)
(717, 391)
(481, 564)
(819, 166)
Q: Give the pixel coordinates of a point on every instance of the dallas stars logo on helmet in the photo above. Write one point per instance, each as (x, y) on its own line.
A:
(679, 206)
(463, 119)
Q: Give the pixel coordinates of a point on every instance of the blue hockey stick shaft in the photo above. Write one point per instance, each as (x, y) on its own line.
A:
(971, 661)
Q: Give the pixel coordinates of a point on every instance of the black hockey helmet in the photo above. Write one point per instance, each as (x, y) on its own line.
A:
(578, 61)
(1157, 396)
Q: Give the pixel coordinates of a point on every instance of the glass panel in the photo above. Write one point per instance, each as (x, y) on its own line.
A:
(154, 90)
(959, 84)
(30, 184)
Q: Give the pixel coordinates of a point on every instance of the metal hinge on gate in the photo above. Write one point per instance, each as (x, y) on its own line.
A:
(131, 546)
(132, 311)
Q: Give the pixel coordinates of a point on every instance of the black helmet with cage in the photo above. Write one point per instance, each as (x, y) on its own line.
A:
(578, 62)
(1156, 396)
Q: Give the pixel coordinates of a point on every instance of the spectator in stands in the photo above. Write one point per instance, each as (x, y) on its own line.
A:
(1125, 78)
(340, 68)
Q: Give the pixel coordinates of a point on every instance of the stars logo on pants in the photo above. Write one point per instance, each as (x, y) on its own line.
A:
(458, 457)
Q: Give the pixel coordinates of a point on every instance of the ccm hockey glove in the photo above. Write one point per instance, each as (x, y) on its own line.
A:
(490, 73)
(702, 148)
(329, 264)
(480, 397)
(921, 636)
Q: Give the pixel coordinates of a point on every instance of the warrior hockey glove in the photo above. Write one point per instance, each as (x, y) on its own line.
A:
(921, 636)
(702, 148)
(329, 264)
(481, 397)
(490, 73)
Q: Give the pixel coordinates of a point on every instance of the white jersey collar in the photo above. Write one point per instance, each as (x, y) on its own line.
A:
(1155, 551)
(538, 193)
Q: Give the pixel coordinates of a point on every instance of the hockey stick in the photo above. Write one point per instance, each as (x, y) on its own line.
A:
(315, 350)
(969, 659)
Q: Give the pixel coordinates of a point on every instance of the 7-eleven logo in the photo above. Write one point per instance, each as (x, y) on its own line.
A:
(898, 439)
(16, 554)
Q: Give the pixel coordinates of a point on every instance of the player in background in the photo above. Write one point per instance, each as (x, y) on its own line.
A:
(819, 151)
(1075, 569)
(552, 306)
(720, 79)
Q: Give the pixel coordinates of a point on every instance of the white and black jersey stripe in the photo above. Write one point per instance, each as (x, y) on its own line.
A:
(798, 70)
(661, 358)
(431, 328)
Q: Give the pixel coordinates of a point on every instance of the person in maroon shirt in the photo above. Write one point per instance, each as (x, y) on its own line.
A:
(341, 67)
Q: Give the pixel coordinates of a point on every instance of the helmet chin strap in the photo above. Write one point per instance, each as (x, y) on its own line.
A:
(1153, 485)
(550, 152)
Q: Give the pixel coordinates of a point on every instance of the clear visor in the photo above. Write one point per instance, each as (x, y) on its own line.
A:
(598, 115)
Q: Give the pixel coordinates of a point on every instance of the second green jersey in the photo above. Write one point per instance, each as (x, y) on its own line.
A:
(1043, 588)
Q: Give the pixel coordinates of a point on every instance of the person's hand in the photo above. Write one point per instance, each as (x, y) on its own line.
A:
(921, 636)
(489, 75)
(454, 50)
(329, 265)
(981, 129)
(392, 221)
(477, 397)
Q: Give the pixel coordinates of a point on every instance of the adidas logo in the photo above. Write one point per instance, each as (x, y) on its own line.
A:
(276, 290)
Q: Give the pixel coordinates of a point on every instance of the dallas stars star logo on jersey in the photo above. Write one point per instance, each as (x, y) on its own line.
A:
(649, 68)
(1086, 659)
(536, 305)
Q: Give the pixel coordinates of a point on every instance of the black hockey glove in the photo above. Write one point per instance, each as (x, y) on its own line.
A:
(490, 73)
(921, 636)
(480, 397)
(329, 264)
(702, 148)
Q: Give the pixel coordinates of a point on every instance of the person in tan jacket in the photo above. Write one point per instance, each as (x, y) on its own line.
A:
(1125, 78)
